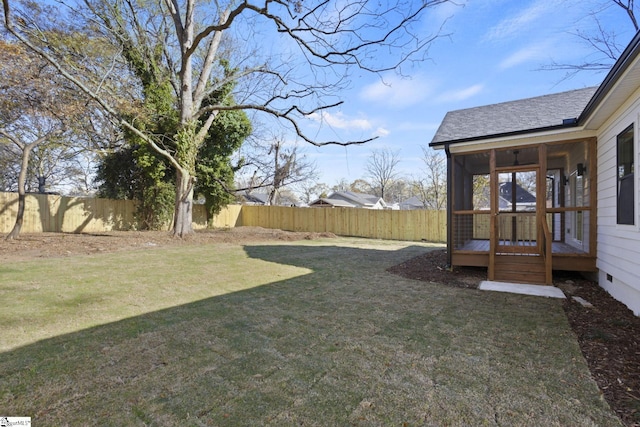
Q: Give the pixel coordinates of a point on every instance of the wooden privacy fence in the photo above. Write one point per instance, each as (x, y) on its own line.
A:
(413, 225)
(51, 213)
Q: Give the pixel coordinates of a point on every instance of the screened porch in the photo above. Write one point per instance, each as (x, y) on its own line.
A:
(536, 201)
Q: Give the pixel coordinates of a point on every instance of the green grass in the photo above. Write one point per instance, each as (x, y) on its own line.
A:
(297, 333)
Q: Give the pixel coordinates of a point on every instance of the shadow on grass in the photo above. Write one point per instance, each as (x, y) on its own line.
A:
(348, 344)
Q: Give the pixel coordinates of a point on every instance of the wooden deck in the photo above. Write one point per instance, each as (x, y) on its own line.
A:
(559, 248)
(475, 253)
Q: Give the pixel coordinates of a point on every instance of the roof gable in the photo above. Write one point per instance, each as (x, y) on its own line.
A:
(412, 201)
(258, 198)
(522, 195)
(359, 198)
(332, 202)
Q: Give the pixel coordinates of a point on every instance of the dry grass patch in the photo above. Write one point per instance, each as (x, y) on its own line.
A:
(304, 333)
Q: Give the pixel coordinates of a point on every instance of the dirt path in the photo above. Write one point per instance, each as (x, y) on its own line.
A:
(46, 245)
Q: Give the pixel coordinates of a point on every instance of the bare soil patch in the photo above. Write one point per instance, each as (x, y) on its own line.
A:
(608, 332)
(46, 245)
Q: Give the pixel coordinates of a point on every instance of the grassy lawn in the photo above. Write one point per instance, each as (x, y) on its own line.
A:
(296, 333)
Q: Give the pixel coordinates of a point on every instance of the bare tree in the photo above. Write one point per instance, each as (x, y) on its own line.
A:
(33, 115)
(189, 43)
(361, 186)
(382, 169)
(398, 190)
(604, 42)
(278, 165)
(431, 188)
(342, 185)
(313, 190)
(9, 166)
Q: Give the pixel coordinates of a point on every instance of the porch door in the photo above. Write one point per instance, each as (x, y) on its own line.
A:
(516, 225)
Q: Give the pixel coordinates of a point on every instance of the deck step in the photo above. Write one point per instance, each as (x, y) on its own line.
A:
(520, 269)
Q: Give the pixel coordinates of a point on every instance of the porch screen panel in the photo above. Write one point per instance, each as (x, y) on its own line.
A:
(517, 224)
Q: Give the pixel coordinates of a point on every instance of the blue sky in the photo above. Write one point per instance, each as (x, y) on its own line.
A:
(493, 54)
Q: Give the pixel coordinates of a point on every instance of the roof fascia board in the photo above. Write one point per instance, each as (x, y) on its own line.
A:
(628, 57)
(508, 141)
(441, 144)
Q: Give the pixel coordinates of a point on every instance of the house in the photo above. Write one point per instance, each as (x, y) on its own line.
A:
(325, 202)
(580, 151)
(262, 199)
(482, 197)
(350, 199)
(259, 199)
(412, 203)
(510, 192)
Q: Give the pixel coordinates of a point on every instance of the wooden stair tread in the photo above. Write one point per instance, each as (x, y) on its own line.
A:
(520, 269)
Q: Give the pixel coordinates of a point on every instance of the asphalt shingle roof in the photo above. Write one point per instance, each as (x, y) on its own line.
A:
(514, 116)
(360, 198)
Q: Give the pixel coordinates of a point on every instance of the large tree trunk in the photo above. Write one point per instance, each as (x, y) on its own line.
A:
(22, 179)
(183, 216)
(15, 232)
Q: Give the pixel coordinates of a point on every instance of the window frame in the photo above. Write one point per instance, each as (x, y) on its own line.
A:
(632, 176)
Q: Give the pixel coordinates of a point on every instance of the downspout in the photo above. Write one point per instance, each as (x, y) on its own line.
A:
(449, 206)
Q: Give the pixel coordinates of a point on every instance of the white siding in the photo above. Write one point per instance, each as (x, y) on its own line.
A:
(618, 246)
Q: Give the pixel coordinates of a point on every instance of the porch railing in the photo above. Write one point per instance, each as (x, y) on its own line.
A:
(471, 230)
(572, 227)
(517, 232)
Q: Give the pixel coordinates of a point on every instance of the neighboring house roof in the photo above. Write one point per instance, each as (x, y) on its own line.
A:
(484, 200)
(507, 118)
(263, 199)
(522, 195)
(360, 199)
(351, 199)
(412, 203)
(333, 203)
(256, 198)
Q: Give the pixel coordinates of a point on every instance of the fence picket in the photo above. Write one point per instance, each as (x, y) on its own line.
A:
(52, 213)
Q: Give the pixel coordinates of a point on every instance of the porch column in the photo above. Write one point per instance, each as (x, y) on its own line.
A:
(493, 180)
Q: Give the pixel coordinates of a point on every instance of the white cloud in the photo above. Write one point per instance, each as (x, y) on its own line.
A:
(340, 121)
(382, 132)
(528, 53)
(461, 94)
(519, 23)
(396, 92)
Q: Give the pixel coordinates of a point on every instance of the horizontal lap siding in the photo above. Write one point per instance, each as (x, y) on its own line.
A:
(618, 249)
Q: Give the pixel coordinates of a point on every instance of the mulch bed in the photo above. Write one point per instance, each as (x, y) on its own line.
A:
(608, 332)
